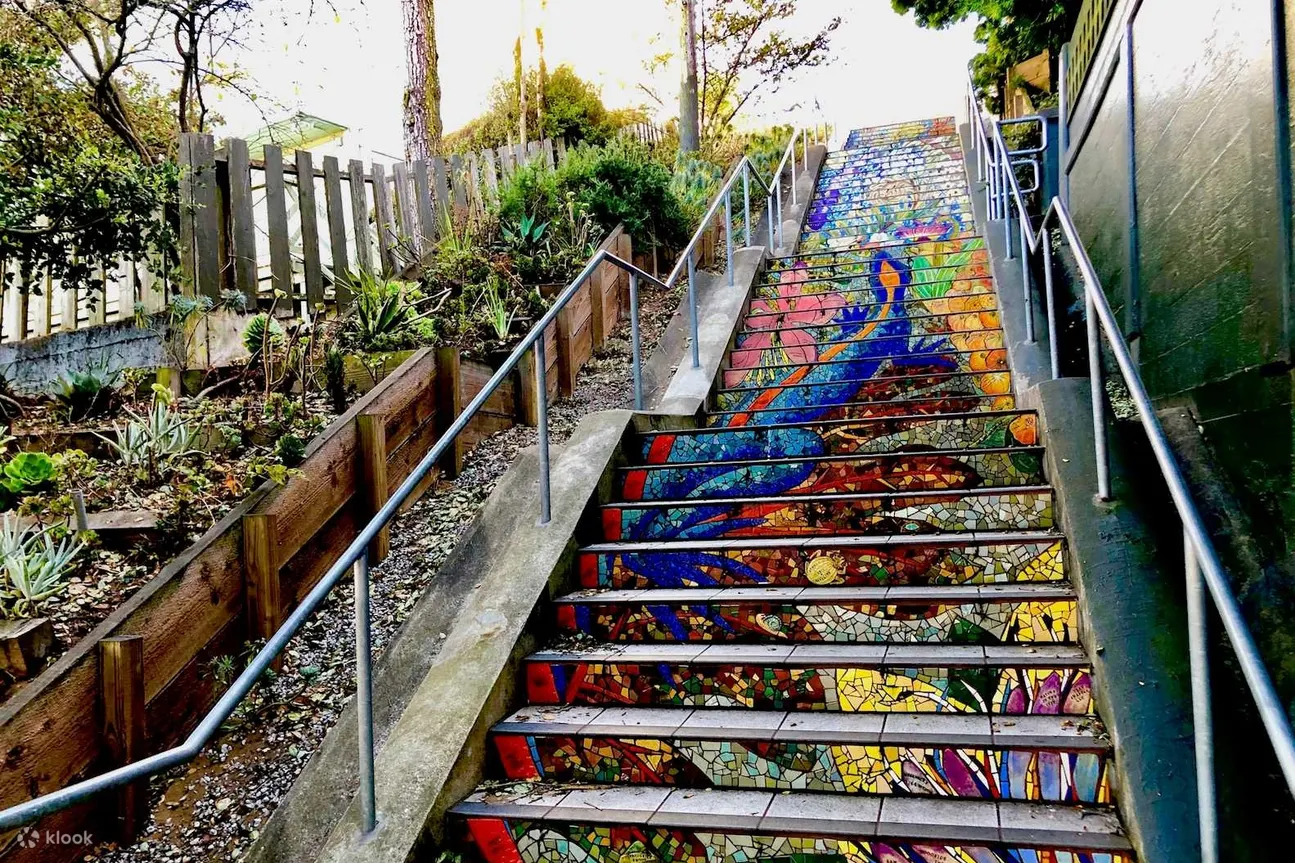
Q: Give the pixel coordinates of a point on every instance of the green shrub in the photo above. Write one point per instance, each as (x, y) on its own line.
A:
(81, 395)
(623, 183)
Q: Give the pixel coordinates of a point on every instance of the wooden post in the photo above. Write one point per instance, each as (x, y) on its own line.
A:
(597, 292)
(528, 407)
(449, 404)
(261, 575)
(566, 352)
(371, 435)
(314, 272)
(121, 691)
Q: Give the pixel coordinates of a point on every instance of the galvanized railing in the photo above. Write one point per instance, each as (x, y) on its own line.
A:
(354, 559)
(1204, 572)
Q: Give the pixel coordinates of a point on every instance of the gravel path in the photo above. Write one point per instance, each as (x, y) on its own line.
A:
(213, 809)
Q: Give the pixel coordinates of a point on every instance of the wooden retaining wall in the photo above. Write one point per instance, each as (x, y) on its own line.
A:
(240, 580)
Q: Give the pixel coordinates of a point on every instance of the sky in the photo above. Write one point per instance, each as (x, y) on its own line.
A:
(344, 61)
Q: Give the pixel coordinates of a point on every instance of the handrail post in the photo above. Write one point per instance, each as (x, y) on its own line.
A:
(1098, 396)
(1049, 298)
(805, 140)
(692, 307)
(768, 204)
(1007, 210)
(1202, 722)
(991, 196)
(364, 695)
(728, 231)
(1025, 280)
(777, 191)
(793, 172)
(634, 340)
(542, 409)
(746, 198)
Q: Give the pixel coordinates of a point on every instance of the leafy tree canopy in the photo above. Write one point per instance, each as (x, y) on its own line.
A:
(74, 196)
(1010, 30)
(572, 108)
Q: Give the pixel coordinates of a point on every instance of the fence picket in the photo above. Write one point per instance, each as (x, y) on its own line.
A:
(441, 187)
(336, 222)
(458, 182)
(382, 219)
(242, 219)
(488, 168)
(314, 274)
(423, 195)
(276, 210)
(409, 230)
(360, 220)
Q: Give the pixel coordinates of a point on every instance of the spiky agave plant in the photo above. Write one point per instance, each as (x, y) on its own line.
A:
(34, 566)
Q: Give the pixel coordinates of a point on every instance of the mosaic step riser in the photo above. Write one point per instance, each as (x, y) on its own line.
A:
(535, 841)
(1053, 621)
(812, 339)
(752, 374)
(855, 297)
(818, 223)
(973, 432)
(863, 254)
(886, 371)
(801, 352)
(823, 566)
(915, 471)
(895, 149)
(860, 410)
(866, 211)
(894, 182)
(960, 772)
(943, 129)
(820, 321)
(982, 689)
(970, 385)
(891, 156)
(839, 238)
(907, 516)
(920, 271)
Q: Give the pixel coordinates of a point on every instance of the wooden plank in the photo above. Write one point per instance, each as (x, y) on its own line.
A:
(532, 152)
(505, 163)
(428, 229)
(549, 159)
(206, 219)
(314, 272)
(326, 482)
(562, 150)
(121, 694)
(567, 363)
(371, 476)
(44, 305)
(490, 171)
(242, 219)
(528, 410)
(409, 230)
(261, 562)
(459, 181)
(96, 305)
(449, 404)
(441, 186)
(382, 220)
(360, 221)
(276, 211)
(336, 224)
(473, 179)
(597, 295)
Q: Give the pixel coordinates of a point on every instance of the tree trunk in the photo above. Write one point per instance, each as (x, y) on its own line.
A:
(423, 83)
(689, 134)
(520, 73)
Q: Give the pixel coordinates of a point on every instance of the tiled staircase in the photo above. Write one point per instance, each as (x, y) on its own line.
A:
(832, 624)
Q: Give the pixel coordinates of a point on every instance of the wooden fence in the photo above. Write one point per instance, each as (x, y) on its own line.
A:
(645, 133)
(241, 579)
(254, 227)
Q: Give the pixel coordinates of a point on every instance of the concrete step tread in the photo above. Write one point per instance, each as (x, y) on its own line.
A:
(851, 457)
(918, 819)
(940, 595)
(857, 655)
(987, 537)
(1070, 733)
(921, 495)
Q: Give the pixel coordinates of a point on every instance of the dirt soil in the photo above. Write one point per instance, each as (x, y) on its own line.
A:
(213, 810)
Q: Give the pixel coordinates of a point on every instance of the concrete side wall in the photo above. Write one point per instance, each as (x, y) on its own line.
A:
(31, 366)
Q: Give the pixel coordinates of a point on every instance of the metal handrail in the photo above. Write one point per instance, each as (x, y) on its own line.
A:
(355, 557)
(1204, 571)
